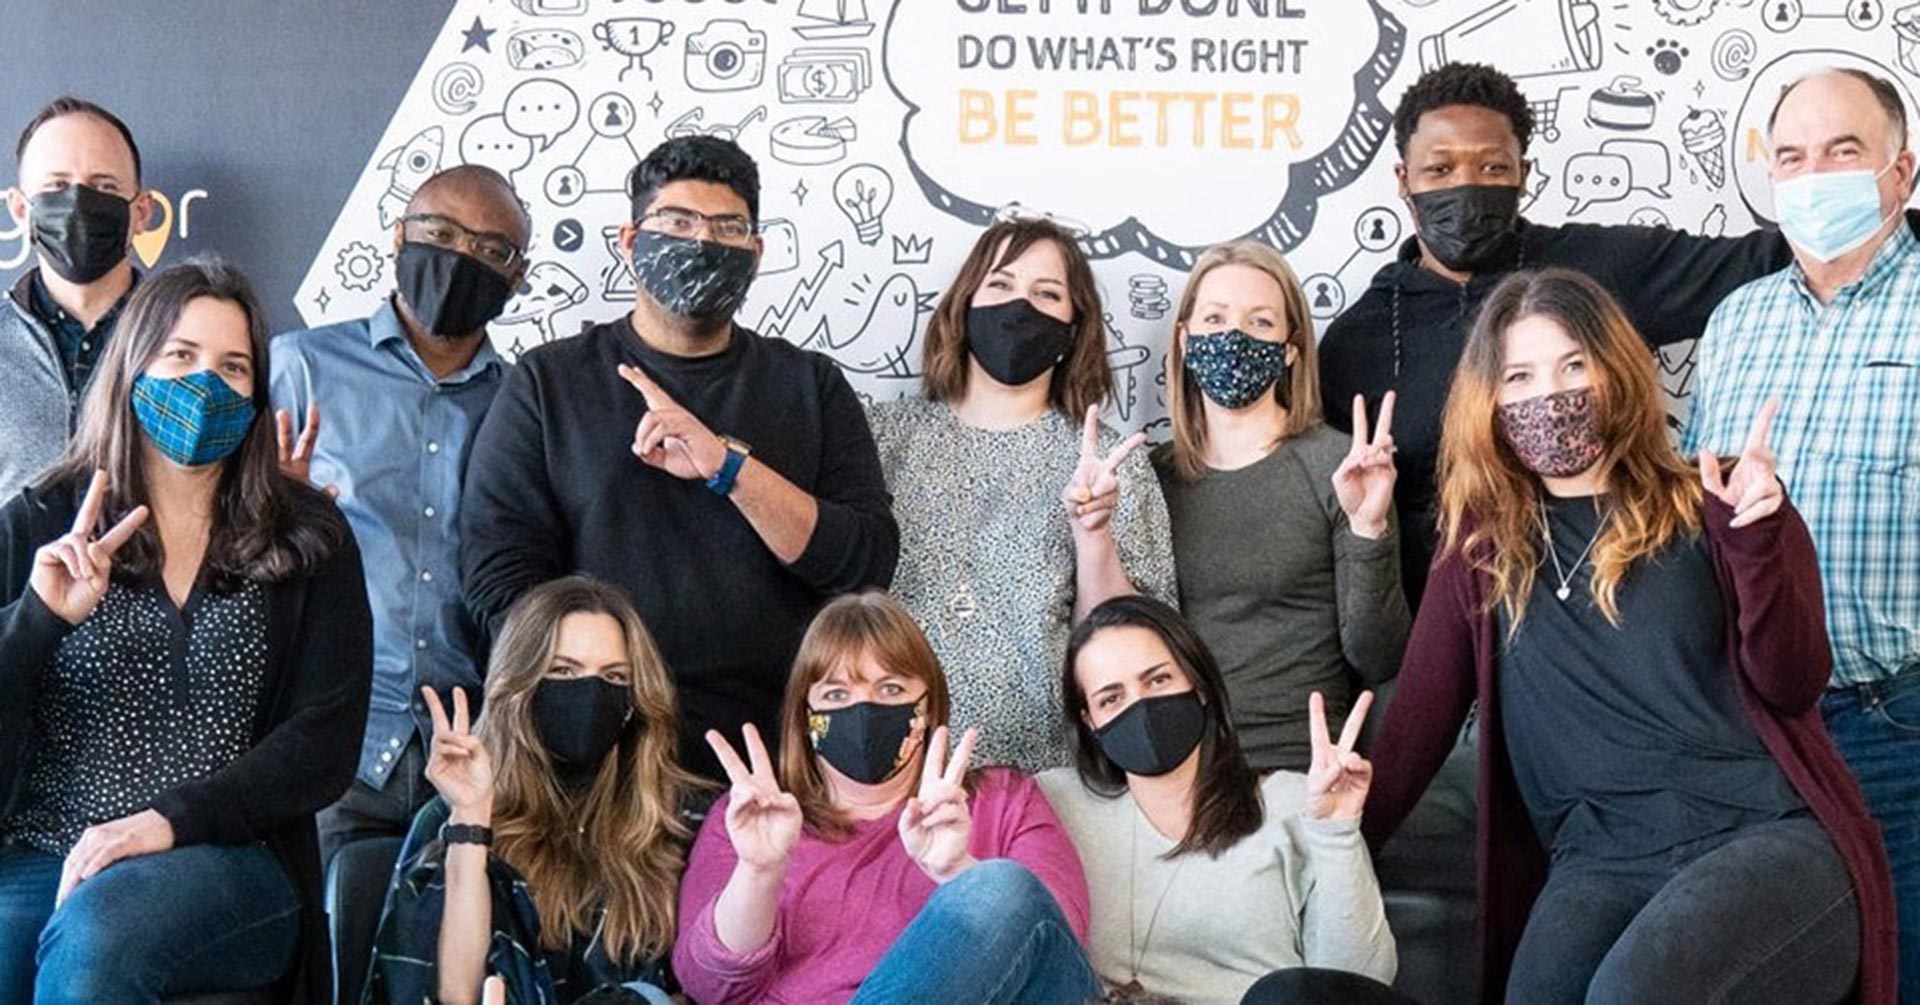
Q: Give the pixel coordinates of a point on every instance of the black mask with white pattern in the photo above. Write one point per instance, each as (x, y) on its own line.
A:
(694, 279)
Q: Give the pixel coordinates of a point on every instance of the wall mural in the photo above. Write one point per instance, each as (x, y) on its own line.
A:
(890, 131)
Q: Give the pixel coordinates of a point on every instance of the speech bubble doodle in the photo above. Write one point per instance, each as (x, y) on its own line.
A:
(488, 140)
(1652, 165)
(542, 109)
(1596, 177)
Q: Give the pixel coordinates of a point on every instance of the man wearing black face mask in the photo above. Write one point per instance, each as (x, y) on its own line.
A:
(1462, 132)
(402, 394)
(727, 482)
(79, 197)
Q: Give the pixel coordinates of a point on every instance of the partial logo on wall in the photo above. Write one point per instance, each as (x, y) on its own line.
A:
(171, 218)
(888, 132)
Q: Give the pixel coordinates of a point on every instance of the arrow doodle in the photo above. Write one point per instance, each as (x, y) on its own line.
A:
(778, 319)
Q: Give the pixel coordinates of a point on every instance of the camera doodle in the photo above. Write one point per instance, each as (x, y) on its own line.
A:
(726, 55)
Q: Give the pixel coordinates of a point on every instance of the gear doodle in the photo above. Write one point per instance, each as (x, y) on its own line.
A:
(358, 266)
(1684, 13)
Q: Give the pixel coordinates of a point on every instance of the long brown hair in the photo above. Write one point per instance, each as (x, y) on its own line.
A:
(1300, 395)
(1226, 796)
(266, 527)
(1490, 502)
(620, 843)
(870, 623)
(1081, 380)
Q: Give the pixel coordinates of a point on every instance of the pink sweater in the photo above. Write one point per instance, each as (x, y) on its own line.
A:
(843, 903)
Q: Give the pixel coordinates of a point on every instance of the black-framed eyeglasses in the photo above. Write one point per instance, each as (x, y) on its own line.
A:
(673, 221)
(432, 228)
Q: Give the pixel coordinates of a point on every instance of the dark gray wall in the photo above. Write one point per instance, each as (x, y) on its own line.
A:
(272, 107)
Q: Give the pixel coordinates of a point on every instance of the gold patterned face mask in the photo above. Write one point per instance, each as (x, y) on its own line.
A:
(865, 741)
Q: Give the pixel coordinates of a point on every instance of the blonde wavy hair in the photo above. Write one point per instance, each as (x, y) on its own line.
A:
(620, 843)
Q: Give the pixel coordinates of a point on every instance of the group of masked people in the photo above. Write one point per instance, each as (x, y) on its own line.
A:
(682, 672)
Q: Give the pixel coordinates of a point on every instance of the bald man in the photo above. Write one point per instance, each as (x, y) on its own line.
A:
(1836, 338)
(382, 411)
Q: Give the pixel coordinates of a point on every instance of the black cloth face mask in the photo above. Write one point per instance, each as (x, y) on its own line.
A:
(1154, 735)
(450, 294)
(1467, 227)
(702, 280)
(1015, 342)
(80, 231)
(863, 741)
(580, 719)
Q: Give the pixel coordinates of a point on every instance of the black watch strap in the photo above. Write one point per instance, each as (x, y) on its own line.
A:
(466, 834)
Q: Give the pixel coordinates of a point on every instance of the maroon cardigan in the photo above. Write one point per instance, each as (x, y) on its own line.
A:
(1776, 633)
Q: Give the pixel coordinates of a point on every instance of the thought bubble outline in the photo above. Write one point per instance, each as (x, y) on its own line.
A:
(1342, 162)
(546, 137)
(484, 122)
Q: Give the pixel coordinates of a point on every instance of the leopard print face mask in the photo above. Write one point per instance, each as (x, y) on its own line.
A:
(1555, 435)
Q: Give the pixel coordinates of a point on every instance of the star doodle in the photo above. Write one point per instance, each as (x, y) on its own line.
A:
(478, 37)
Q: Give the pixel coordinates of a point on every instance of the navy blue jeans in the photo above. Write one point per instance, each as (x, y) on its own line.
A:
(1877, 727)
(200, 918)
(992, 935)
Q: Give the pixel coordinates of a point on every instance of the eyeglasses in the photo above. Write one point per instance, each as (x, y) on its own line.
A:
(1015, 211)
(727, 228)
(437, 230)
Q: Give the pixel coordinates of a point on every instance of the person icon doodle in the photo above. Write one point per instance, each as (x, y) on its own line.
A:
(1322, 298)
(1780, 15)
(566, 185)
(1379, 231)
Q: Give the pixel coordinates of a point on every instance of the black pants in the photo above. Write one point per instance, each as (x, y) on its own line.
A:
(366, 812)
(1318, 986)
(1764, 914)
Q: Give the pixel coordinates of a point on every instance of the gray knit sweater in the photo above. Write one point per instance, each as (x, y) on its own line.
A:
(37, 407)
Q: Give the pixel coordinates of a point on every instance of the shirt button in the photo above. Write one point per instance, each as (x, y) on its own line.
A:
(426, 577)
(395, 742)
(428, 512)
(419, 643)
(433, 446)
(386, 755)
(86, 347)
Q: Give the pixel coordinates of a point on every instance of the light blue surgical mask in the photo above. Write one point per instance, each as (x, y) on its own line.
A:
(1827, 214)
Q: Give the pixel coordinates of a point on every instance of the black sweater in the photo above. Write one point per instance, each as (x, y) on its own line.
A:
(1668, 281)
(553, 488)
(306, 739)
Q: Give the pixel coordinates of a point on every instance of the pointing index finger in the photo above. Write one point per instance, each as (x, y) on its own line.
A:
(650, 391)
(88, 518)
(1763, 426)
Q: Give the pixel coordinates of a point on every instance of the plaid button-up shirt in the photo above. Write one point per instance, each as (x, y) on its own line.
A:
(1847, 374)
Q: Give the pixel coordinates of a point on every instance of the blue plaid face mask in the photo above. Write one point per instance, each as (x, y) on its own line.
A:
(194, 420)
(1234, 368)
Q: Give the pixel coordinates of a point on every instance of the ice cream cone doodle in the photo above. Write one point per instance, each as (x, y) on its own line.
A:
(1704, 135)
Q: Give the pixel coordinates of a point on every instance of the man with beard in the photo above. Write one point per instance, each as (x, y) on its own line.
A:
(726, 481)
(80, 200)
(1462, 132)
(388, 407)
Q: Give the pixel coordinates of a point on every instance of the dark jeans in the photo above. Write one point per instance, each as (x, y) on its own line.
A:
(1877, 728)
(992, 935)
(200, 918)
(367, 812)
(1320, 986)
(1765, 914)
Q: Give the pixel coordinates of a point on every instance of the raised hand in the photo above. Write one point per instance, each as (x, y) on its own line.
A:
(763, 822)
(296, 453)
(71, 572)
(1337, 778)
(1364, 480)
(1752, 489)
(1093, 493)
(669, 437)
(457, 762)
(936, 826)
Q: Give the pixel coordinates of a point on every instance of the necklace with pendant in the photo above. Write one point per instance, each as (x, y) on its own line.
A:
(1133, 990)
(1565, 576)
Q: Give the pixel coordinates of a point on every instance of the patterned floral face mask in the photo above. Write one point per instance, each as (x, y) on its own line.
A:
(1234, 368)
(1555, 435)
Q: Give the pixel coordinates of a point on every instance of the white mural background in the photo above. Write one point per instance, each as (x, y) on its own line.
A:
(889, 131)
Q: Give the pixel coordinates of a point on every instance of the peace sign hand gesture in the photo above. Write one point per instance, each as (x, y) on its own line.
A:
(70, 573)
(296, 453)
(457, 762)
(1753, 490)
(936, 826)
(762, 821)
(1364, 480)
(1093, 493)
(1337, 778)
(669, 437)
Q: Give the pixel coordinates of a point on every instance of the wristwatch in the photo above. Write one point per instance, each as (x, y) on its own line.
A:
(722, 481)
(466, 834)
